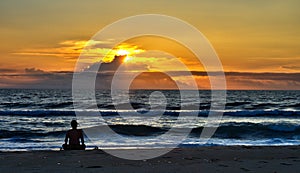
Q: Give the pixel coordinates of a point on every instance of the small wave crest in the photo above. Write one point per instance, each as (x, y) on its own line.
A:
(20, 134)
(230, 130)
(201, 113)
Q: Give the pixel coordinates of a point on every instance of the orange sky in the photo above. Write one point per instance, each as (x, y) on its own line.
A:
(250, 37)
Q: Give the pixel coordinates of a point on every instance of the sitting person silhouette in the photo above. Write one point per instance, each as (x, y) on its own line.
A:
(73, 137)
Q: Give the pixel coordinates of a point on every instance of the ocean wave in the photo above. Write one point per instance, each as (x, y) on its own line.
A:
(21, 134)
(257, 130)
(230, 130)
(137, 130)
(128, 130)
(57, 105)
(38, 113)
(237, 103)
(266, 113)
(201, 113)
(297, 105)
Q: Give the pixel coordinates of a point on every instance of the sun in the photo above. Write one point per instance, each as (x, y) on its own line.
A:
(128, 52)
(122, 52)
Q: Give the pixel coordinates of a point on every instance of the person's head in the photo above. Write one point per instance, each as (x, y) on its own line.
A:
(74, 124)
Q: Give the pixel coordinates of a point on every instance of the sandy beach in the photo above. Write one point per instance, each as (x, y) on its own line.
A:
(202, 159)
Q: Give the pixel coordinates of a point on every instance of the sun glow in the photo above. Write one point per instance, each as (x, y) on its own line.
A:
(128, 58)
(122, 52)
(128, 51)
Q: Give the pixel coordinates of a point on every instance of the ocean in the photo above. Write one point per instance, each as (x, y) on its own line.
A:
(37, 119)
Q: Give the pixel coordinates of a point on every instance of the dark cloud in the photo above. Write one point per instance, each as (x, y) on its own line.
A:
(153, 80)
(246, 75)
(267, 76)
(5, 70)
(106, 67)
(115, 64)
(36, 78)
(112, 66)
(34, 71)
(291, 67)
(246, 80)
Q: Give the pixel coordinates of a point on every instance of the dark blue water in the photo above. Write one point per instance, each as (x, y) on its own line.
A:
(38, 119)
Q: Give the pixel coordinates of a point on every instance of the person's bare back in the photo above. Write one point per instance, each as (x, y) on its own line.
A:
(74, 136)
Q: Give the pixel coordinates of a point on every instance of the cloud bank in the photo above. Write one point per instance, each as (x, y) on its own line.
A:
(36, 78)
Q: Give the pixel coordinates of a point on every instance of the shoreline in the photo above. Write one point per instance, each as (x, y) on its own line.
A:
(200, 159)
(92, 148)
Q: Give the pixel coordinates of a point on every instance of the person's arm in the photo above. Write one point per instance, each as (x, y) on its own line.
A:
(66, 138)
(81, 137)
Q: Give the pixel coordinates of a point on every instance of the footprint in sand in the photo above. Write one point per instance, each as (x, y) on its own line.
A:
(94, 167)
(223, 165)
(245, 169)
(262, 161)
(286, 164)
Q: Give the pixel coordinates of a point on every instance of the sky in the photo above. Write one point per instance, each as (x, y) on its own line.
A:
(258, 42)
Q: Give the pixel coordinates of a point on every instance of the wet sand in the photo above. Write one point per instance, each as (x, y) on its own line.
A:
(203, 159)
